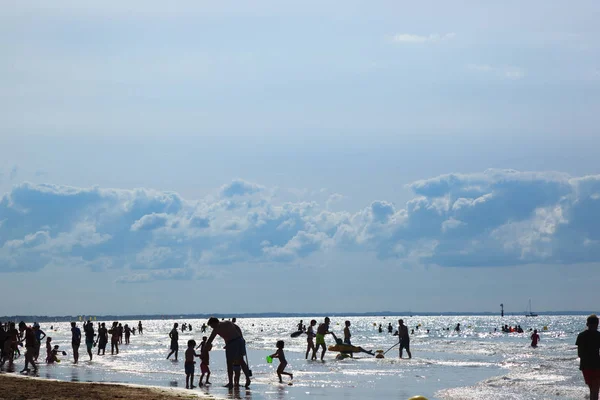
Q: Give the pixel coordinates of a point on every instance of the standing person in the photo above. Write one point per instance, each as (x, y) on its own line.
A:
(534, 338)
(310, 344)
(235, 346)
(29, 346)
(204, 361)
(114, 338)
(347, 334)
(300, 326)
(174, 335)
(39, 336)
(380, 328)
(404, 338)
(127, 333)
(390, 328)
(75, 341)
(140, 328)
(88, 330)
(189, 364)
(10, 343)
(322, 330)
(282, 361)
(120, 333)
(102, 338)
(588, 350)
(203, 328)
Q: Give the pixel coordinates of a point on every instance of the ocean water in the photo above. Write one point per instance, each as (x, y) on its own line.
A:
(476, 363)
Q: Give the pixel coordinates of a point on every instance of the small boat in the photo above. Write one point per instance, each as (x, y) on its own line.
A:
(529, 313)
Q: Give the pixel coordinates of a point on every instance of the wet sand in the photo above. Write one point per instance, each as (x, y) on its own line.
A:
(22, 388)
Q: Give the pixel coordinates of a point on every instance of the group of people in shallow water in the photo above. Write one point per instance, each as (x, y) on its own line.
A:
(13, 336)
(11, 339)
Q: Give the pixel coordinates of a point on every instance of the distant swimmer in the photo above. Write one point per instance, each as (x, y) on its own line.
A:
(310, 344)
(380, 328)
(75, 341)
(174, 335)
(322, 330)
(404, 338)
(588, 350)
(300, 326)
(534, 338)
(457, 328)
(390, 328)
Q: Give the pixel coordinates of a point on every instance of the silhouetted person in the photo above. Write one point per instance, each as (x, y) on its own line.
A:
(310, 344)
(102, 338)
(534, 338)
(457, 328)
(390, 328)
(235, 346)
(114, 338)
(127, 333)
(88, 329)
(322, 330)
(588, 350)
(39, 336)
(380, 328)
(404, 338)
(75, 341)
(174, 335)
(29, 346)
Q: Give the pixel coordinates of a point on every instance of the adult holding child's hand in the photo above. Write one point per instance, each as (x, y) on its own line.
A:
(235, 347)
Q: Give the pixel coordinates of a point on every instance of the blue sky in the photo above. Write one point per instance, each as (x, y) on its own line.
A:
(307, 157)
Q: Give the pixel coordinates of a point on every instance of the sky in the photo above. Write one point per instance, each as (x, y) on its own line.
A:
(270, 156)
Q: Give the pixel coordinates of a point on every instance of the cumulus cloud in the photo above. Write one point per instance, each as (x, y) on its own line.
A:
(240, 187)
(431, 38)
(492, 218)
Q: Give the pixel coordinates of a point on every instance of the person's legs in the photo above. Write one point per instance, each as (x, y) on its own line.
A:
(187, 381)
(75, 353)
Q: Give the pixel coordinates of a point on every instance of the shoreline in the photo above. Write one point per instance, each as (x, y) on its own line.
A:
(16, 386)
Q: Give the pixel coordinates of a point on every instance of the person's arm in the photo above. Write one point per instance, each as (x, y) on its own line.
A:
(209, 341)
(43, 333)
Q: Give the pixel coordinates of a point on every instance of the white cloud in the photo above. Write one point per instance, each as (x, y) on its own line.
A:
(240, 187)
(431, 38)
(498, 217)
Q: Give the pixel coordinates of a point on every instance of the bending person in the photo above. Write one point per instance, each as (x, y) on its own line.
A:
(235, 347)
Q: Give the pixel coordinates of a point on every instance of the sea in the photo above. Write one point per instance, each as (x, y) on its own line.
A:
(479, 362)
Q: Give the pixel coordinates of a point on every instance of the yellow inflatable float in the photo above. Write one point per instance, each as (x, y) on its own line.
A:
(418, 398)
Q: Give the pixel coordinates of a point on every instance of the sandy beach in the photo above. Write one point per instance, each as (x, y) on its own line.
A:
(22, 388)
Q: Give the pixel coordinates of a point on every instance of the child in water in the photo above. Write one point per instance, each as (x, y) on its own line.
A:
(282, 361)
(204, 361)
(190, 353)
(535, 338)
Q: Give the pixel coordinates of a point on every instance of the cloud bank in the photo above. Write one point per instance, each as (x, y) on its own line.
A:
(493, 218)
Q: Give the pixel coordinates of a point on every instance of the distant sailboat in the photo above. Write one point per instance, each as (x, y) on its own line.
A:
(529, 313)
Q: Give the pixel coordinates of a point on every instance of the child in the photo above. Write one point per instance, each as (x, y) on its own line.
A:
(204, 361)
(190, 353)
(282, 362)
(49, 356)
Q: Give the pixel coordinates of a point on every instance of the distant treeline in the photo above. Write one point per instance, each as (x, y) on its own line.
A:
(68, 318)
